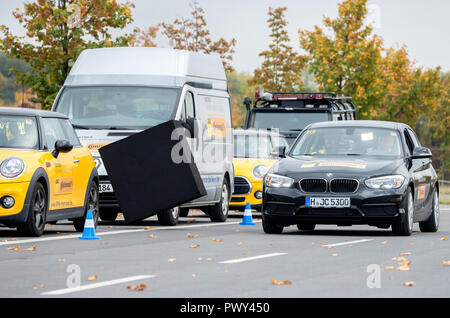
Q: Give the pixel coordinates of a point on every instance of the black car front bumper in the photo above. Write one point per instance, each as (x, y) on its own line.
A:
(286, 206)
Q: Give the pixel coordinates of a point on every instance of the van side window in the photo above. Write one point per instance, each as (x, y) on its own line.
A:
(188, 110)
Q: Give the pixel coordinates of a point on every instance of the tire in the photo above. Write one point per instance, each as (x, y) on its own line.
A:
(37, 213)
(108, 214)
(91, 204)
(184, 212)
(432, 223)
(306, 226)
(169, 217)
(405, 226)
(269, 227)
(219, 211)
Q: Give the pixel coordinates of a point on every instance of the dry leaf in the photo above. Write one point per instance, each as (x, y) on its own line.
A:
(350, 246)
(217, 240)
(404, 266)
(15, 248)
(240, 243)
(189, 235)
(148, 228)
(335, 254)
(32, 249)
(61, 260)
(209, 259)
(284, 282)
(384, 242)
(410, 243)
(444, 239)
(140, 287)
(400, 258)
(91, 278)
(329, 246)
(194, 246)
(445, 263)
(408, 284)
(171, 260)
(151, 236)
(14, 239)
(406, 253)
(389, 268)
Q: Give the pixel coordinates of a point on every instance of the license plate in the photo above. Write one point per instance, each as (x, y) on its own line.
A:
(327, 202)
(105, 187)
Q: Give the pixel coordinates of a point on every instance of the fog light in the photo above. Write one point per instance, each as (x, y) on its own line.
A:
(258, 194)
(8, 202)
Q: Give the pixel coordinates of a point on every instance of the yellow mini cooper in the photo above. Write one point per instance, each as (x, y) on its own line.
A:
(45, 173)
(252, 159)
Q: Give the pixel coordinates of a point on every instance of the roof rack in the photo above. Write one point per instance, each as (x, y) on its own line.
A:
(293, 95)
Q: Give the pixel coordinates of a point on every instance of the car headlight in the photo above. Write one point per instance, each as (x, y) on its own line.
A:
(387, 182)
(12, 167)
(276, 181)
(260, 171)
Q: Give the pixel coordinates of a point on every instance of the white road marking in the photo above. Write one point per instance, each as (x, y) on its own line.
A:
(245, 259)
(71, 236)
(96, 285)
(347, 243)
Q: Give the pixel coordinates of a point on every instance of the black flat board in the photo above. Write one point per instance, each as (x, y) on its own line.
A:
(145, 178)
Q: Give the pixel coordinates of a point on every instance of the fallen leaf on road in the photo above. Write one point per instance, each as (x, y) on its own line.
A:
(14, 239)
(151, 236)
(408, 284)
(91, 278)
(240, 243)
(444, 239)
(140, 287)
(445, 263)
(61, 260)
(171, 260)
(405, 254)
(384, 242)
(148, 228)
(194, 246)
(189, 235)
(329, 246)
(404, 266)
(335, 254)
(271, 244)
(400, 258)
(15, 248)
(32, 249)
(284, 282)
(389, 268)
(350, 246)
(217, 240)
(410, 243)
(209, 259)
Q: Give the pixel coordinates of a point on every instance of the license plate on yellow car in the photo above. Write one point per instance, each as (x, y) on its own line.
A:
(319, 202)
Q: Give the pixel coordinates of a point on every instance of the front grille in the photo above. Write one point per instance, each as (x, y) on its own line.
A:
(237, 199)
(343, 185)
(241, 186)
(313, 185)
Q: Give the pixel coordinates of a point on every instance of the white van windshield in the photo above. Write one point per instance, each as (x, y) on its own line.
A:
(117, 107)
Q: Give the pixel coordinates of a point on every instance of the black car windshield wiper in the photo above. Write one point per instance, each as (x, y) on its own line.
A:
(353, 154)
(295, 129)
(82, 127)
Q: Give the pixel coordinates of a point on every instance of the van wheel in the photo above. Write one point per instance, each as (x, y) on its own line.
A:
(269, 227)
(169, 217)
(184, 212)
(37, 213)
(405, 226)
(432, 223)
(219, 211)
(91, 204)
(108, 214)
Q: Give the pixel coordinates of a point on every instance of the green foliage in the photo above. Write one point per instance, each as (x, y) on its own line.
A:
(8, 85)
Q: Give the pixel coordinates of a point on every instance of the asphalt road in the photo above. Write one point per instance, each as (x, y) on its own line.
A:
(198, 258)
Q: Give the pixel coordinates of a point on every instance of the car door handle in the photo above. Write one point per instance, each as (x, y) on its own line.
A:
(76, 161)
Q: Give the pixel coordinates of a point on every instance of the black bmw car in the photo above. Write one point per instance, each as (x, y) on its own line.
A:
(353, 172)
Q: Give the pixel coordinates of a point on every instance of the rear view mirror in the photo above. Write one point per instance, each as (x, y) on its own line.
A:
(247, 102)
(279, 152)
(63, 146)
(421, 152)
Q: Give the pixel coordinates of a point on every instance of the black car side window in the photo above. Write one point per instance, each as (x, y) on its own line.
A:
(414, 138)
(409, 142)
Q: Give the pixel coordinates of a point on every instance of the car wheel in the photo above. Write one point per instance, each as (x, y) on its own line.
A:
(219, 211)
(405, 226)
(184, 212)
(108, 214)
(306, 226)
(91, 204)
(169, 217)
(432, 223)
(269, 227)
(37, 213)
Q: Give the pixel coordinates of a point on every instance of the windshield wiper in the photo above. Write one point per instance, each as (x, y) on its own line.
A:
(353, 154)
(82, 127)
(119, 128)
(295, 129)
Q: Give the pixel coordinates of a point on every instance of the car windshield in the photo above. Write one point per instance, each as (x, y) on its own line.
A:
(256, 146)
(287, 120)
(18, 132)
(115, 107)
(348, 141)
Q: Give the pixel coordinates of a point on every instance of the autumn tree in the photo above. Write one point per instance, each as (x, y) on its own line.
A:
(56, 32)
(282, 67)
(345, 58)
(192, 34)
(145, 37)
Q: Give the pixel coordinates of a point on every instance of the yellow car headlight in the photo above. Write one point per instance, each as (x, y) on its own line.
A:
(12, 167)
(260, 171)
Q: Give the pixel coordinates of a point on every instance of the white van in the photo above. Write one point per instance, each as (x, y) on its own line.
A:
(112, 93)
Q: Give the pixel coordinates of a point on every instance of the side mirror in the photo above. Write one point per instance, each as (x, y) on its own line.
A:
(63, 146)
(247, 102)
(279, 152)
(421, 153)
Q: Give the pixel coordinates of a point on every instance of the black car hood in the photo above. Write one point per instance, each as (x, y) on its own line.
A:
(319, 166)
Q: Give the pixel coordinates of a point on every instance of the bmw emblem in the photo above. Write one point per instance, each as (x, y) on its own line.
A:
(329, 174)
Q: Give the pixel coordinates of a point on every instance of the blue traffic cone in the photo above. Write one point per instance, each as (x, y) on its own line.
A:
(247, 220)
(89, 228)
